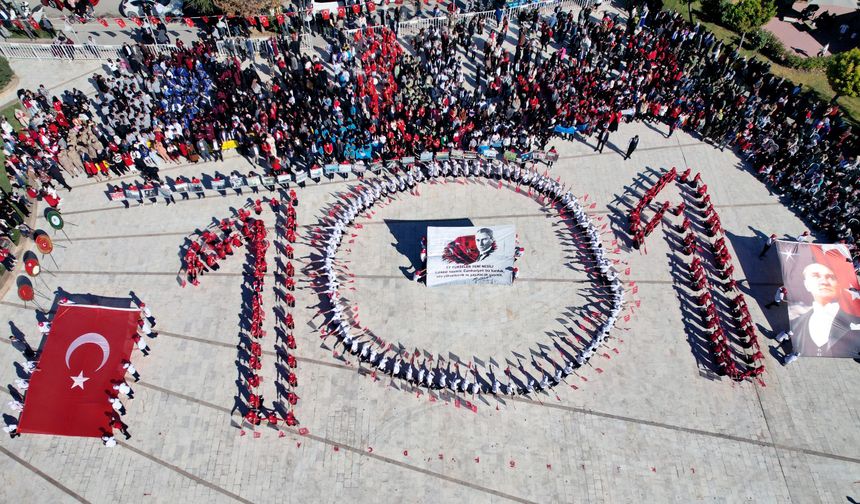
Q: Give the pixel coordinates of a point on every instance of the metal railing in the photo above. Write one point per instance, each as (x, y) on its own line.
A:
(352, 31)
(238, 46)
(72, 51)
(489, 17)
(547, 6)
(414, 26)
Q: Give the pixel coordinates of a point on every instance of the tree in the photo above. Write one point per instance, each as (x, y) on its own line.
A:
(6, 72)
(202, 6)
(844, 73)
(246, 7)
(748, 15)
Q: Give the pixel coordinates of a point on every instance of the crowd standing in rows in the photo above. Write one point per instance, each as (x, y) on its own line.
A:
(570, 74)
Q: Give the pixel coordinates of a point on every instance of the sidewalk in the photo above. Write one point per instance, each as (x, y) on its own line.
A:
(62, 75)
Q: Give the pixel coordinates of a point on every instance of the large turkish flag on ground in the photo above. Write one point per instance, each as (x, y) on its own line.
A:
(83, 354)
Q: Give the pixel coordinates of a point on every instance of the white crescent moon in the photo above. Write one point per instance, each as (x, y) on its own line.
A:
(94, 338)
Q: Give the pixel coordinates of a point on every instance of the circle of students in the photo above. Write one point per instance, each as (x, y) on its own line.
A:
(372, 191)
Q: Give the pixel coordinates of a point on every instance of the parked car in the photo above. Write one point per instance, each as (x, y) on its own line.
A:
(142, 8)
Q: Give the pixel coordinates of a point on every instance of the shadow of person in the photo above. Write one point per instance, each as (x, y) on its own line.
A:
(747, 249)
(9, 419)
(20, 372)
(615, 148)
(408, 235)
(14, 393)
(17, 333)
(777, 352)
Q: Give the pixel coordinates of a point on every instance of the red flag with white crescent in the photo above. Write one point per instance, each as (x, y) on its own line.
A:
(81, 357)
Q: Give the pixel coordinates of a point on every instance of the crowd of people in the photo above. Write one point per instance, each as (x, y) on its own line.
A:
(340, 320)
(731, 333)
(203, 254)
(376, 100)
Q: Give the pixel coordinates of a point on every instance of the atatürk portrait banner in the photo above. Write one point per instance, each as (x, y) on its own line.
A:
(823, 298)
(470, 255)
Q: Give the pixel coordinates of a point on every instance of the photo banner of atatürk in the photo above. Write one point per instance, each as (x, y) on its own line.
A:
(823, 298)
(470, 255)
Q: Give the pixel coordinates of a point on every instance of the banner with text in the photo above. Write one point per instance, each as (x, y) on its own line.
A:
(823, 298)
(470, 255)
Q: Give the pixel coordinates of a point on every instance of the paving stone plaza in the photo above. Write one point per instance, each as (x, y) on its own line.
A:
(646, 419)
(642, 422)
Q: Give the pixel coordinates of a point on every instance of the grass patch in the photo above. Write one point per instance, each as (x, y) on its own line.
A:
(16, 33)
(9, 113)
(6, 73)
(815, 80)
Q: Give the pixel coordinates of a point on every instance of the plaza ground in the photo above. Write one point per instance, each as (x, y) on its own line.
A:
(642, 422)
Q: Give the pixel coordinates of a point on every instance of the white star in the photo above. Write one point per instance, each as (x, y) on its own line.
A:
(79, 380)
(855, 294)
(788, 254)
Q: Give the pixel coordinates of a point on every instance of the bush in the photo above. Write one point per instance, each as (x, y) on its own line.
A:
(813, 63)
(6, 72)
(761, 38)
(768, 44)
(844, 73)
(715, 10)
(747, 16)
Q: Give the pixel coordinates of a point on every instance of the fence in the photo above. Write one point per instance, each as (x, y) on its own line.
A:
(416, 25)
(72, 51)
(238, 46)
(548, 6)
(351, 32)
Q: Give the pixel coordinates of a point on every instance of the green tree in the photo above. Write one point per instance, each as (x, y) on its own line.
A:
(844, 73)
(748, 15)
(247, 7)
(6, 72)
(203, 6)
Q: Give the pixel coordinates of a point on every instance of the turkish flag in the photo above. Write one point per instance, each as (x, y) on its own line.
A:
(120, 22)
(83, 354)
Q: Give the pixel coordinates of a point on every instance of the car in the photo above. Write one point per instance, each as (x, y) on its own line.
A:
(140, 8)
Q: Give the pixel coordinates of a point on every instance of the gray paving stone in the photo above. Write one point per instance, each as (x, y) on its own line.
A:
(707, 440)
